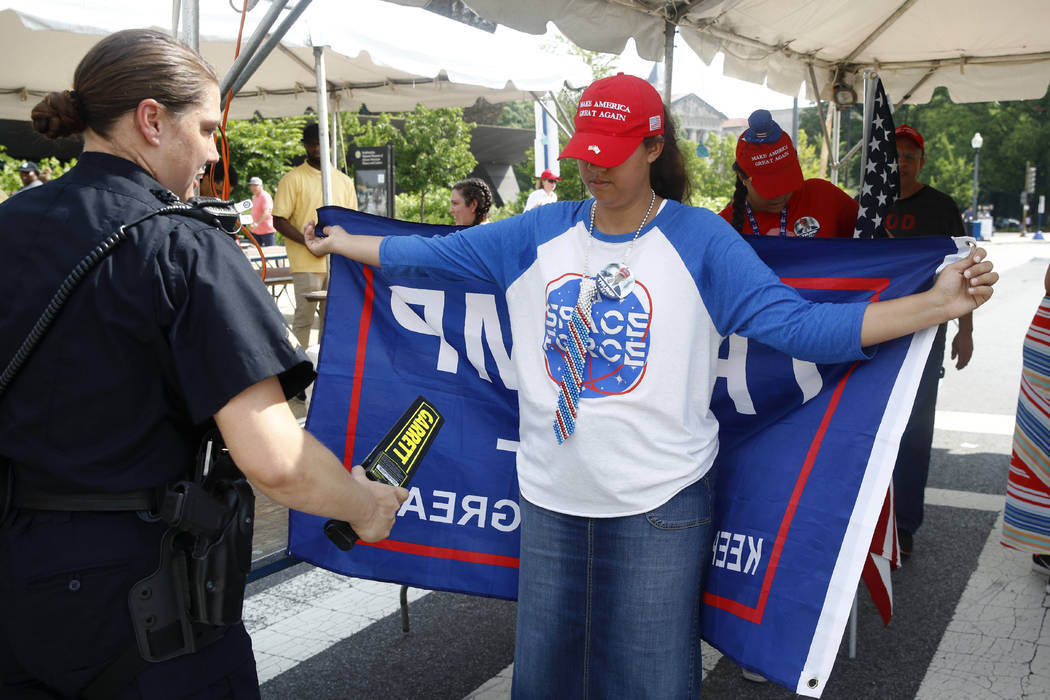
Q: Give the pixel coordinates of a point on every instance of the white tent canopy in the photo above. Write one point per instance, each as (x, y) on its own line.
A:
(979, 50)
(386, 57)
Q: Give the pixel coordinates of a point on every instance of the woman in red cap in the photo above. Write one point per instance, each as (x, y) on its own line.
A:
(772, 198)
(618, 305)
(544, 194)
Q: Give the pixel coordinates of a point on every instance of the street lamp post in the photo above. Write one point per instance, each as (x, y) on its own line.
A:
(976, 142)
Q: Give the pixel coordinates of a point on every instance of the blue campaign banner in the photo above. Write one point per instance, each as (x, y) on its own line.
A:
(806, 454)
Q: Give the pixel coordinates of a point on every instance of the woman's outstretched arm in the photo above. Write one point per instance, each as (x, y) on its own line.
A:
(960, 288)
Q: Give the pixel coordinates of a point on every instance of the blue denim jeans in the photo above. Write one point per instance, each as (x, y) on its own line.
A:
(610, 607)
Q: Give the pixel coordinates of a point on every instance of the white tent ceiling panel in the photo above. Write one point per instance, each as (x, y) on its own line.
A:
(977, 49)
(378, 54)
(593, 24)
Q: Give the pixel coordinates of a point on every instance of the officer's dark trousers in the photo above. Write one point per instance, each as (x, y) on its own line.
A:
(913, 459)
(64, 583)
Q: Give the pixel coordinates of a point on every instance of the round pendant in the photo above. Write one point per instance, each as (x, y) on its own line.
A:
(615, 281)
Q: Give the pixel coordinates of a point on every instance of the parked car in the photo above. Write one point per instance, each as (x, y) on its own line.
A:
(1007, 224)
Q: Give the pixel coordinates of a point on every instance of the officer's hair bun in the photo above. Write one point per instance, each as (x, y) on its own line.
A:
(58, 114)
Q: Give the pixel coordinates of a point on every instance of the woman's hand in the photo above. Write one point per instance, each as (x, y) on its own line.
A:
(320, 246)
(336, 239)
(963, 286)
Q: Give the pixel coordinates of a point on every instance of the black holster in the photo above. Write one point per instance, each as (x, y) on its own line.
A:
(205, 558)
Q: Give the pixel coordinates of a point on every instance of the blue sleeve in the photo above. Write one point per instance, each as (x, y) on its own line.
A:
(475, 253)
(497, 253)
(744, 296)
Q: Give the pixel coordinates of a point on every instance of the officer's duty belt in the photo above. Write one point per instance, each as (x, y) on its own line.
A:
(31, 497)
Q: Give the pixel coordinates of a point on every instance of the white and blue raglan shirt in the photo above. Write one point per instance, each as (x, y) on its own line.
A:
(644, 427)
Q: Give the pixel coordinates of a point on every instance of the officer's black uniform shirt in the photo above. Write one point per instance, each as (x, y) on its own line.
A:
(156, 339)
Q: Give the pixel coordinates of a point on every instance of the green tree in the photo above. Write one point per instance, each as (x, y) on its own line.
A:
(11, 181)
(712, 176)
(431, 150)
(263, 148)
(950, 171)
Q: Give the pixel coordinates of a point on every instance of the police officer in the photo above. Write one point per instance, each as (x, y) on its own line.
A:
(171, 331)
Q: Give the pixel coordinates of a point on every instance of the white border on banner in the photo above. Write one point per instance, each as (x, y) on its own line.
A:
(845, 579)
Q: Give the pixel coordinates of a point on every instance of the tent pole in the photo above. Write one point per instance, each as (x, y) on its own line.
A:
(248, 51)
(536, 96)
(322, 124)
(669, 29)
(869, 107)
(176, 12)
(836, 126)
(190, 26)
(334, 133)
(268, 47)
(820, 108)
(794, 121)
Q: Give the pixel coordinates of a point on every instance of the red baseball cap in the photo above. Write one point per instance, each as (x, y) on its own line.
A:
(548, 175)
(613, 117)
(767, 156)
(909, 132)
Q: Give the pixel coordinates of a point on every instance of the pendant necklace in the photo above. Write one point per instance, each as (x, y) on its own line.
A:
(615, 280)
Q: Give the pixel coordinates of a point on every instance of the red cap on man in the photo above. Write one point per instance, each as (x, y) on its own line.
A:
(767, 156)
(548, 175)
(614, 115)
(904, 131)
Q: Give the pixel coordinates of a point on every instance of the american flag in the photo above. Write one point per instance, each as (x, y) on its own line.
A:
(882, 182)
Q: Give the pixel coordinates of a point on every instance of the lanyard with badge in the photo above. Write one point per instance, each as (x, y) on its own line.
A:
(754, 223)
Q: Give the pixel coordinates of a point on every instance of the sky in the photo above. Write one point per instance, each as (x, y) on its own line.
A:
(733, 98)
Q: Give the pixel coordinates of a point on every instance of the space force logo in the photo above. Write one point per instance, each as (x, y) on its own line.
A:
(619, 344)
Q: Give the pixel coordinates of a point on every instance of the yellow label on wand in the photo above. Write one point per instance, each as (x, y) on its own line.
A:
(398, 454)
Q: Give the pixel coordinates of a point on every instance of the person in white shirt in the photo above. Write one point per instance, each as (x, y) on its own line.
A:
(544, 194)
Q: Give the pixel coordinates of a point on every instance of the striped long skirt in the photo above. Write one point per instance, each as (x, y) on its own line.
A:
(1026, 523)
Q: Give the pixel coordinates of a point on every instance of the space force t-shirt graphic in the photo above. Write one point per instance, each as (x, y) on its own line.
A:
(619, 344)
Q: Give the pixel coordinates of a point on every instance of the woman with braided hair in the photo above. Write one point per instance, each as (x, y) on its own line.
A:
(470, 202)
(772, 197)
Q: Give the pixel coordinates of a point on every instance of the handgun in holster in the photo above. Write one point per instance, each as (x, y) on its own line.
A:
(198, 587)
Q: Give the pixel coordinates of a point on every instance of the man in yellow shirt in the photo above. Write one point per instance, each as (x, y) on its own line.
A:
(298, 197)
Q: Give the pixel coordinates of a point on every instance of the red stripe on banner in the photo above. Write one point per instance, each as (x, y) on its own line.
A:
(359, 367)
(443, 553)
(754, 614)
(877, 285)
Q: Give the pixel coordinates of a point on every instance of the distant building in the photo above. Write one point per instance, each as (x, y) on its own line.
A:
(696, 118)
(734, 126)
